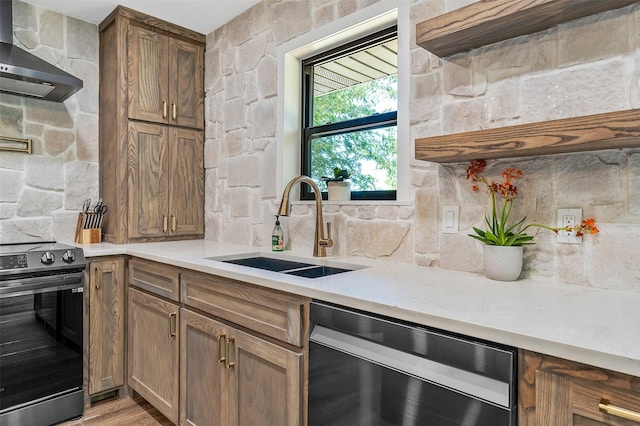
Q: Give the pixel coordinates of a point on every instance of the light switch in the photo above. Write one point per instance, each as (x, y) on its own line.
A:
(450, 219)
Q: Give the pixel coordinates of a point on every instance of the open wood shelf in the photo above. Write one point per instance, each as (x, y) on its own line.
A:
(489, 21)
(611, 130)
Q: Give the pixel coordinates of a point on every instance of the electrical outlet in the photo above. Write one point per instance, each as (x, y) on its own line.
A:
(450, 219)
(569, 217)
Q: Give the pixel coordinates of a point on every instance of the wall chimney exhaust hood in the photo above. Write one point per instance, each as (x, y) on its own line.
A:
(24, 74)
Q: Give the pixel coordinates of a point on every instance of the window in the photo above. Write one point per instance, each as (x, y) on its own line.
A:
(349, 115)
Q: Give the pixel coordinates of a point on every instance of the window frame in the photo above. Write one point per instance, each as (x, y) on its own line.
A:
(375, 121)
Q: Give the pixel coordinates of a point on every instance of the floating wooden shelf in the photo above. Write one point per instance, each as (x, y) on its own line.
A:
(489, 21)
(587, 133)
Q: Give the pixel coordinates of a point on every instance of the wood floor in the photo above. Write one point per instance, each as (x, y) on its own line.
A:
(125, 411)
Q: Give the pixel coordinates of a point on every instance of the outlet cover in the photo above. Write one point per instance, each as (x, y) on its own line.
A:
(569, 217)
(450, 219)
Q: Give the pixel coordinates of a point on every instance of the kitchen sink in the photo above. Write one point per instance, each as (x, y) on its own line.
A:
(286, 266)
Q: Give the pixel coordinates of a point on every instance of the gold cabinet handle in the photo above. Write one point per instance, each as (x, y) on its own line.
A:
(173, 223)
(98, 272)
(228, 362)
(165, 224)
(164, 109)
(221, 339)
(172, 325)
(174, 112)
(606, 407)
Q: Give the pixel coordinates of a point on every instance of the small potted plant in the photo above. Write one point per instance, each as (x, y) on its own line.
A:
(338, 186)
(503, 238)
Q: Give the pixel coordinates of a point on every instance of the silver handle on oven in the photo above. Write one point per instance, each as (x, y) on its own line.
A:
(476, 385)
(31, 285)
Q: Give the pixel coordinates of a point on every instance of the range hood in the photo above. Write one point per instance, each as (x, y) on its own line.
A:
(24, 74)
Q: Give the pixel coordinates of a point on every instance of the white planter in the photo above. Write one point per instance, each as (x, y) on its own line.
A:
(339, 190)
(503, 263)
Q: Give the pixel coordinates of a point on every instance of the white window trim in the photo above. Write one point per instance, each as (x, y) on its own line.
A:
(290, 55)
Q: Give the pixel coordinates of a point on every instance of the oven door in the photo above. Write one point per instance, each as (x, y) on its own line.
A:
(40, 339)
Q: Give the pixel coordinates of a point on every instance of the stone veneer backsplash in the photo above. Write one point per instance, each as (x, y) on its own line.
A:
(583, 67)
(41, 193)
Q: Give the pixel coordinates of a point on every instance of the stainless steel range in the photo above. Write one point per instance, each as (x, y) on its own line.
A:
(41, 300)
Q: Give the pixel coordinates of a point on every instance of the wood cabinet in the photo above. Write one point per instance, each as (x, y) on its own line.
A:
(165, 78)
(106, 318)
(233, 353)
(166, 182)
(150, 120)
(557, 392)
(235, 376)
(153, 351)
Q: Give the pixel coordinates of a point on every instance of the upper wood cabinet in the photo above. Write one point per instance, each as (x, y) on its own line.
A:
(165, 79)
(151, 112)
(166, 183)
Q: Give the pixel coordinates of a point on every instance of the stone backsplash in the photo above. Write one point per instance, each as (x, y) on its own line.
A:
(42, 193)
(574, 69)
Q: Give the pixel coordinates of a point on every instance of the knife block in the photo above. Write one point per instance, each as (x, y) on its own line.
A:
(87, 236)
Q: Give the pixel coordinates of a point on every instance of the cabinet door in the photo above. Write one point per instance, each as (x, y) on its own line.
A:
(265, 383)
(565, 401)
(153, 351)
(203, 375)
(106, 324)
(148, 84)
(148, 180)
(186, 182)
(186, 84)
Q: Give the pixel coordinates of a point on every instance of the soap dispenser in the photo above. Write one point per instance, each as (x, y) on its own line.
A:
(277, 237)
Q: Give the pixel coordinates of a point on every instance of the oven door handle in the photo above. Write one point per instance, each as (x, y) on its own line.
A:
(463, 381)
(31, 285)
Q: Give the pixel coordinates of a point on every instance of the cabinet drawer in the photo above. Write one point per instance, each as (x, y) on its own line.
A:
(587, 397)
(157, 278)
(275, 314)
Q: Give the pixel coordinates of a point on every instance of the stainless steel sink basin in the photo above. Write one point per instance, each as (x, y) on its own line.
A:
(286, 266)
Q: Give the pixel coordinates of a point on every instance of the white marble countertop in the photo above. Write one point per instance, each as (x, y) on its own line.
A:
(592, 326)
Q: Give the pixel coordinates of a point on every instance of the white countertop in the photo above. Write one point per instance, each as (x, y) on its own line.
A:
(592, 326)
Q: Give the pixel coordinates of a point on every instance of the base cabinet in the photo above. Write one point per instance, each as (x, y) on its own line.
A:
(106, 291)
(229, 377)
(153, 351)
(558, 392)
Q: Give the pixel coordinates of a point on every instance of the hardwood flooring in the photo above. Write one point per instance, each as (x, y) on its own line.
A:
(118, 412)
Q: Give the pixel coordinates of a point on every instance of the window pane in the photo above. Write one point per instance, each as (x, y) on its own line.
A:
(369, 155)
(361, 100)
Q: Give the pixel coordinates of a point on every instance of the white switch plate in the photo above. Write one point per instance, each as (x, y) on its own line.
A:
(569, 217)
(450, 219)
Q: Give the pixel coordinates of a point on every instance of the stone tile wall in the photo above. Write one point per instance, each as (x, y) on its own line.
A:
(41, 193)
(583, 67)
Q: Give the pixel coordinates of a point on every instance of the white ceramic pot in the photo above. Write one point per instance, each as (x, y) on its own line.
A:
(503, 263)
(339, 190)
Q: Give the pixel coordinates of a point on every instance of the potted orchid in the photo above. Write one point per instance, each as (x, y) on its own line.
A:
(338, 186)
(501, 231)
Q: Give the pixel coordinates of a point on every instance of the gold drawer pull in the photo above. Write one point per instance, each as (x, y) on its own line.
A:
(605, 407)
(221, 339)
(164, 109)
(175, 111)
(172, 325)
(165, 223)
(228, 362)
(173, 223)
(98, 278)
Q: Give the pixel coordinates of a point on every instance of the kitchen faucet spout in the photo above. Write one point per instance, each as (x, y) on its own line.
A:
(320, 242)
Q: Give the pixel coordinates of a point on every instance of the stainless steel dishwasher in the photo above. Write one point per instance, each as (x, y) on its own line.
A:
(366, 369)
